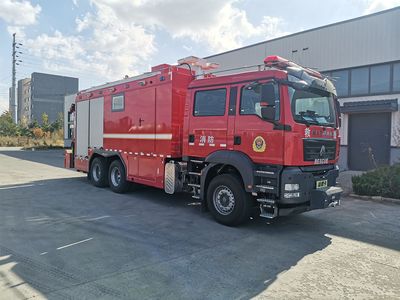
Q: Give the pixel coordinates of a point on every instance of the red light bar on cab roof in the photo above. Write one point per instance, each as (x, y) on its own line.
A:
(276, 61)
(282, 63)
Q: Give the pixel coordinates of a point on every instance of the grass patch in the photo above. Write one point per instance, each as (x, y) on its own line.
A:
(46, 142)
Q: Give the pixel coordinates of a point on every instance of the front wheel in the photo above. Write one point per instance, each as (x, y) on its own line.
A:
(117, 177)
(228, 201)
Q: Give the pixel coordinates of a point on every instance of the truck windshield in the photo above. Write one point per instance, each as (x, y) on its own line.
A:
(312, 106)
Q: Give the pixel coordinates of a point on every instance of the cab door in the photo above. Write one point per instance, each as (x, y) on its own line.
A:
(261, 140)
(208, 121)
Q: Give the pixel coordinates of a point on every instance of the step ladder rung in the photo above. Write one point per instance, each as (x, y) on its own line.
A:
(266, 201)
(194, 185)
(265, 172)
(265, 187)
(196, 161)
(195, 173)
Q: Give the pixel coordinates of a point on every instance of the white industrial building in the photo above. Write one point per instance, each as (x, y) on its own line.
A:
(362, 56)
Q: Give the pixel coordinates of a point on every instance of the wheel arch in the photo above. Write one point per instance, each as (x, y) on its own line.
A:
(109, 157)
(226, 162)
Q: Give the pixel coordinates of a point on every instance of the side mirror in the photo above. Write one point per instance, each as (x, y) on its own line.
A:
(268, 94)
(268, 113)
(337, 104)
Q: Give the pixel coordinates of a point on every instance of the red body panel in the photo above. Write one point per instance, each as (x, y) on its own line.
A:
(81, 164)
(149, 129)
(68, 159)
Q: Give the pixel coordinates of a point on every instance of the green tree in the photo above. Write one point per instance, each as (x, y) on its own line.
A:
(34, 124)
(23, 129)
(7, 126)
(45, 122)
(58, 124)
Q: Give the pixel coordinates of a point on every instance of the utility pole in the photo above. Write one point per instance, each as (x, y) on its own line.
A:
(13, 106)
(15, 62)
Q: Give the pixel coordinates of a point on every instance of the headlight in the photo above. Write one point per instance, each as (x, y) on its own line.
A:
(291, 195)
(291, 187)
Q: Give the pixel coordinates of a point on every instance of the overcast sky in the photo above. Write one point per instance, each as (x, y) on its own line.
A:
(103, 40)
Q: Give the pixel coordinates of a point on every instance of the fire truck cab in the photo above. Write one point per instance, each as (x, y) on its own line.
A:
(265, 140)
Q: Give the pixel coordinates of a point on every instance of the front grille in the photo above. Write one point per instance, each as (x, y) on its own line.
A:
(319, 149)
(318, 169)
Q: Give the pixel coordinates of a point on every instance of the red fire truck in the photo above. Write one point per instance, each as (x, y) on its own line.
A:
(265, 140)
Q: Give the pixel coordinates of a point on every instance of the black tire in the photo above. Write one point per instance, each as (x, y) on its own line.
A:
(98, 174)
(117, 177)
(224, 189)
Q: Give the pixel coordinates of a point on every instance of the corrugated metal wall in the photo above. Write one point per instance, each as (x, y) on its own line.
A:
(362, 41)
(48, 92)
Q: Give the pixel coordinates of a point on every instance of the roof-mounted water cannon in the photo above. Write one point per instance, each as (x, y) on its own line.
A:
(198, 65)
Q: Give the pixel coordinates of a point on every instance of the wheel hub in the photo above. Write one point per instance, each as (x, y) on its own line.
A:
(224, 200)
(115, 176)
(96, 173)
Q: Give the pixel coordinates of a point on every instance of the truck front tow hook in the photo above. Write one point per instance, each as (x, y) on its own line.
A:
(334, 203)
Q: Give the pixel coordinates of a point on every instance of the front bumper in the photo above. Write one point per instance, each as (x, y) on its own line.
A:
(310, 197)
(275, 201)
(320, 199)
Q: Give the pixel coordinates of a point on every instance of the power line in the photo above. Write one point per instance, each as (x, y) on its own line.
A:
(61, 63)
(35, 67)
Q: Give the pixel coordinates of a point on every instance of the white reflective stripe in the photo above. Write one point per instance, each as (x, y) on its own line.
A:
(139, 136)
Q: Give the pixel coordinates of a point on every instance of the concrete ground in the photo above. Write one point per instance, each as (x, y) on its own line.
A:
(61, 238)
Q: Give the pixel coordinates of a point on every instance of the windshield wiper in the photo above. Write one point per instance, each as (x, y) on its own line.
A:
(307, 115)
(308, 122)
(328, 124)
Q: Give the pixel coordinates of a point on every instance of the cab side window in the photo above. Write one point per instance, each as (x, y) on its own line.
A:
(210, 102)
(254, 96)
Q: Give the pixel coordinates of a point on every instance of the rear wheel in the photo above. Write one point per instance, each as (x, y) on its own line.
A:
(228, 201)
(98, 172)
(117, 177)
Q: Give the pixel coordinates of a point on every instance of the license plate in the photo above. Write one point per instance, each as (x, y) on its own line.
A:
(322, 184)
